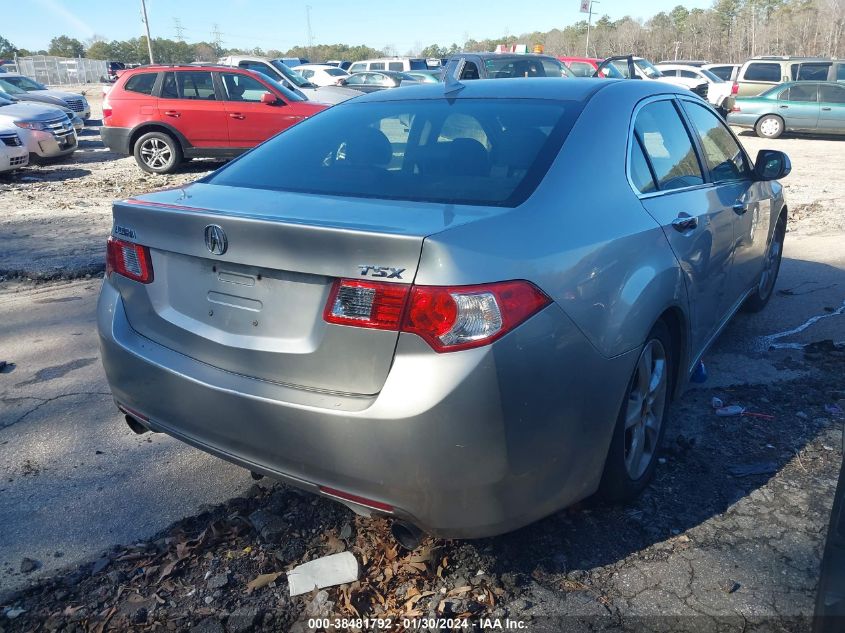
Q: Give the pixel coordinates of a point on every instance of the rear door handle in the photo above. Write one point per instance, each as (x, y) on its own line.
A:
(825, 109)
(684, 224)
(237, 115)
(740, 208)
(173, 113)
(784, 107)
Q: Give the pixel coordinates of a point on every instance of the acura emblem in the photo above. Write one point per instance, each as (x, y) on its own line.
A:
(215, 240)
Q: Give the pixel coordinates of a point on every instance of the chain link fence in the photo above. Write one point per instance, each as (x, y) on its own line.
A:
(62, 71)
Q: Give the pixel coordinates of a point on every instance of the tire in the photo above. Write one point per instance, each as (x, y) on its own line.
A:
(157, 153)
(771, 267)
(769, 126)
(625, 475)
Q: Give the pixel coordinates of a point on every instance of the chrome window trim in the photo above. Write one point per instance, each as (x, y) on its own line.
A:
(654, 194)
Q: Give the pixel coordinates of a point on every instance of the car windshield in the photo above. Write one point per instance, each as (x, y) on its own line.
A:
(25, 83)
(712, 77)
(648, 69)
(291, 75)
(467, 151)
(10, 88)
(6, 98)
(290, 95)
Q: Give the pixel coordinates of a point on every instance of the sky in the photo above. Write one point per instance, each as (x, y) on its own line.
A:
(282, 24)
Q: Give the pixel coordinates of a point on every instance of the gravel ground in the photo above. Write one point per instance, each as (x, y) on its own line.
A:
(728, 538)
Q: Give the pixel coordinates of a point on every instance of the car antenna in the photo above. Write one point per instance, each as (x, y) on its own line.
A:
(453, 83)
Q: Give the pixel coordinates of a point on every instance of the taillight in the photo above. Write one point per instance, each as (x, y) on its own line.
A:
(130, 260)
(735, 89)
(366, 304)
(107, 110)
(447, 318)
(735, 108)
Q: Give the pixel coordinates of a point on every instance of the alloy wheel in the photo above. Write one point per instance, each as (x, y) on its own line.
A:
(155, 153)
(645, 409)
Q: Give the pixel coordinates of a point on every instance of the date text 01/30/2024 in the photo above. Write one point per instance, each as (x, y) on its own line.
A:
(416, 624)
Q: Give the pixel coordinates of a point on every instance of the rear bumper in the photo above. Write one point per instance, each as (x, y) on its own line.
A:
(738, 119)
(116, 139)
(466, 444)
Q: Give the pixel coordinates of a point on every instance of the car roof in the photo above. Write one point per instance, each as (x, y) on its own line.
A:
(503, 56)
(541, 88)
(195, 66)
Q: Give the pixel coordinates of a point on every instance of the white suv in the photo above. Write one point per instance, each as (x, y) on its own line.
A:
(720, 93)
(13, 153)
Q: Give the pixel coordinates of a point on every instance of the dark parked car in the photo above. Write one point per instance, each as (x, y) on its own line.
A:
(112, 69)
(374, 81)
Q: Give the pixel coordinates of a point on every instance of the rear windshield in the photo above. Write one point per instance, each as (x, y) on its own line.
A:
(467, 151)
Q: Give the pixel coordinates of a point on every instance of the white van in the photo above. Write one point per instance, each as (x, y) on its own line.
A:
(401, 64)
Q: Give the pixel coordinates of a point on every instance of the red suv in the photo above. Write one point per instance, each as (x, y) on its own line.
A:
(165, 114)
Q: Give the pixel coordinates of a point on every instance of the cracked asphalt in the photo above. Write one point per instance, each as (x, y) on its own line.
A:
(728, 538)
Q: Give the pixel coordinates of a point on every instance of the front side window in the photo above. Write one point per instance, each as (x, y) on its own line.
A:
(242, 88)
(377, 66)
(722, 154)
(398, 66)
(647, 68)
(831, 94)
(306, 72)
(470, 151)
(762, 71)
(142, 83)
(668, 146)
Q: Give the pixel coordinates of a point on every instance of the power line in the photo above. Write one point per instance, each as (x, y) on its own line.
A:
(310, 32)
(217, 36)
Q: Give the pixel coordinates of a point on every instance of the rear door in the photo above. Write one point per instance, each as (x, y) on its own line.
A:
(747, 202)
(250, 121)
(666, 170)
(190, 103)
(832, 108)
(799, 106)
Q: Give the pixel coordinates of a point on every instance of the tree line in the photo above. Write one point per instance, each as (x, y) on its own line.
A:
(730, 31)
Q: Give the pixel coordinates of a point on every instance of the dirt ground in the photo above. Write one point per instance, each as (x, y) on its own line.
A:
(728, 537)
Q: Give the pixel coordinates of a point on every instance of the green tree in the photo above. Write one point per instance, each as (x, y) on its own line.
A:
(64, 46)
(7, 49)
(100, 50)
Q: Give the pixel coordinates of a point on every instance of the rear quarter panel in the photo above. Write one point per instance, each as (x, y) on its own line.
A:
(583, 237)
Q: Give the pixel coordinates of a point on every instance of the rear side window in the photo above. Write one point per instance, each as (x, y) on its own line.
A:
(668, 146)
(723, 155)
(807, 93)
(142, 83)
(840, 72)
(396, 66)
(763, 71)
(471, 151)
(377, 66)
(188, 85)
(810, 72)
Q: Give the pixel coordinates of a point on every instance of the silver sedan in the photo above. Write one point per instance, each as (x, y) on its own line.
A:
(462, 306)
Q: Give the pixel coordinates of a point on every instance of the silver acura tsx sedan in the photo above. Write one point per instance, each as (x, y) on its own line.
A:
(465, 307)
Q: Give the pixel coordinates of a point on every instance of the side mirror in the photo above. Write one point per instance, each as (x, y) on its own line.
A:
(269, 99)
(771, 165)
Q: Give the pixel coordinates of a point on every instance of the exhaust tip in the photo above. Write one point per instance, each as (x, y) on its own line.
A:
(407, 535)
(256, 476)
(137, 427)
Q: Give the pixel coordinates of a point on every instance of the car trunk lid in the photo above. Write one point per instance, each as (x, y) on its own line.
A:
(257, 308)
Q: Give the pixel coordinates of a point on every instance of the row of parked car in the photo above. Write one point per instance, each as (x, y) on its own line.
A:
(36, 121)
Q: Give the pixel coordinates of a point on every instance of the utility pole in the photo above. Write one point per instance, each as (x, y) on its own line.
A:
(180, 30)
(677, 46)
(147, 27)
(310, 32)
(217, 36)
(589, 20)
